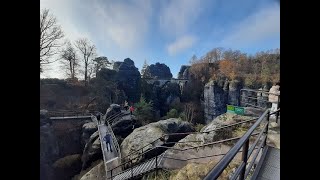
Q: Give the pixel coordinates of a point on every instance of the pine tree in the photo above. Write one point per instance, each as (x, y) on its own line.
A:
(144, 73)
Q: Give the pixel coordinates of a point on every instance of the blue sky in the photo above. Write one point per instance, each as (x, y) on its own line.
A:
(167, 31)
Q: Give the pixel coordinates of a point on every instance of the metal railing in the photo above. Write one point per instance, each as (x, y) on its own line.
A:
(244, 168)
(138, 154)
(258, 99)
(66, 113)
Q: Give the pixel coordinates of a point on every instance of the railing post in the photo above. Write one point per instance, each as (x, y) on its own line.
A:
(278, 106)
(111, 174)
(244, 159)
(267, 128)
(131, 169)
(156, 165)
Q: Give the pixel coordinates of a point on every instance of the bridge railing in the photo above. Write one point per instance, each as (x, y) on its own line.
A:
(244, 168)
(66, 113)
(258, 99)
(141, 152)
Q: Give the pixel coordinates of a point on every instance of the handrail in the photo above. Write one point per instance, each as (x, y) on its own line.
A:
(243, 142)
(216, 142)
(170, 134)
(185, 149)
(259, 91)
(115, 142)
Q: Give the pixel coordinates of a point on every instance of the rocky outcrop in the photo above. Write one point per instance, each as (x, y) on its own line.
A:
(128, 78)
(144, 135)
(217, 94)
(169, 93)
(87, 130)
(184, 72)
(159, 70)
(67, 167)
(97, 173)
(234, 93)
(124, 126)
(214, 100)
(193, 140)
(92, 150)
(113, 109)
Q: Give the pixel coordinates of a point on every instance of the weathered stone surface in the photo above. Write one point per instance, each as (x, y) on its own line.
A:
(184, 72)
(113, 109)
(87, 130)
(144, 135)
(128, 78)
(67, 167)
(92, 150)
(97, 173)
(159, 70)
(214, 100)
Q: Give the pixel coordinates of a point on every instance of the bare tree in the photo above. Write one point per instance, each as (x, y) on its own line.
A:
(87, 51)
(189, 111)
(50, 34)
(70, 60)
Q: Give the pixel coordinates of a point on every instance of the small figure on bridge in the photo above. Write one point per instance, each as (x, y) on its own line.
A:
(126, 106)
(98, 118)
(131, 110)
(107, 138)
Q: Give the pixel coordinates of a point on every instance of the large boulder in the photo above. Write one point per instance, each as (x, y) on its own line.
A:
(159, 70)
(92, 151)
(194, 140)
(128, 78)
(124, 126)
(67, 167)
(113, 109)
(87, 130)
(97, 173)
(147, 134)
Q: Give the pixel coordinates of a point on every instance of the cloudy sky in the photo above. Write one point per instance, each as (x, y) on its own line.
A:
(167, 31)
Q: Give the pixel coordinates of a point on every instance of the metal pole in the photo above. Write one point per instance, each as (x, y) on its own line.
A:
(267, 128)
(111, 174)
(131, 169)
(244, 159)
(278, 106)
(156, 165)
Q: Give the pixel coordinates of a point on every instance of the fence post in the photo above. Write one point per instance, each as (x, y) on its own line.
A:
(131, 169)
(266, 132)
(156, 165)
(244, 159)
(278, 106)
(111, 174)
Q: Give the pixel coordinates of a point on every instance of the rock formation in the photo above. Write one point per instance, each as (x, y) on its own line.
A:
(144, 135)
(159, 70)
(184, 72)
(128, 79)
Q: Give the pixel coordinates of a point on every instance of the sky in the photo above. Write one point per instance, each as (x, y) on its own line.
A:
(167, 31)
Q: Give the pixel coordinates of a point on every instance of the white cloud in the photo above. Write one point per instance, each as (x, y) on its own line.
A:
(115, 26)
(181, 44)
(178, 15)
(262, 25)
(124, 23)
